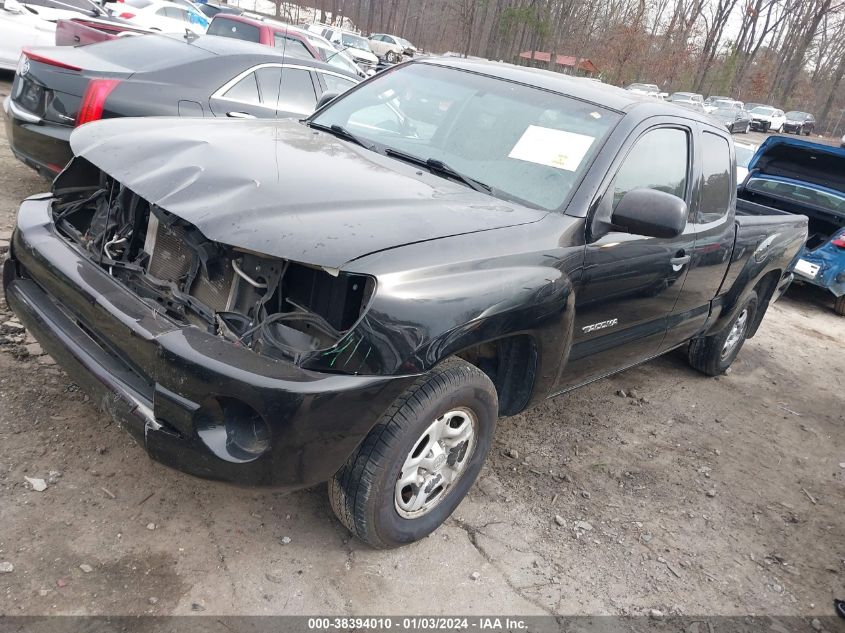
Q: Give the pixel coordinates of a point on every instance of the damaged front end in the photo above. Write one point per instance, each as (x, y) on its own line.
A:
(277, 308)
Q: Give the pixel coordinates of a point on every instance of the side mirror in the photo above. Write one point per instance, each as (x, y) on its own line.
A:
(327, 96)
(650, 212)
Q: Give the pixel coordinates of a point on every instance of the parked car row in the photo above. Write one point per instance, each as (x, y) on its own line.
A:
(32, 23)
(736, 115)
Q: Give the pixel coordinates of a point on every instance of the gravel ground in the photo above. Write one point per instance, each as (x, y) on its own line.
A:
(690, 495)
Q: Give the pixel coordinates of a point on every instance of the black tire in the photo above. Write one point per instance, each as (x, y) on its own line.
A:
(362, 491)
(708, 354)
(839, 305)
(391, 57)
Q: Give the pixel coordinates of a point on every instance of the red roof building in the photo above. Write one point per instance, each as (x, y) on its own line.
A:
(566, 63)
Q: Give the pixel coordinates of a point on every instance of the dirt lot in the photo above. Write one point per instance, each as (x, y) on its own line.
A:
(690, 495)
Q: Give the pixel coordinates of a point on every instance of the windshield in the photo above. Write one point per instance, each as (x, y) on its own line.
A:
(354, 41)
(796, 116)
(763, 110)
(744, 154)
(524, 143)
(727, 112)
(334, 57)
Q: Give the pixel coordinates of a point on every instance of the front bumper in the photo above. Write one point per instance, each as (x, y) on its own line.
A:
(43, 146)
(763, 126)
(155, 376)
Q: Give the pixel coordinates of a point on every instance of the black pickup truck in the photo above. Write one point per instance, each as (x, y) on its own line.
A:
(357, 297)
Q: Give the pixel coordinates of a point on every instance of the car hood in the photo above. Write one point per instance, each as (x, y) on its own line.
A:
(800, 161)
(285, 190)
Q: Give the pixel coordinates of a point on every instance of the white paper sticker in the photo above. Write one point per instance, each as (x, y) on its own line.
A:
(555, 148)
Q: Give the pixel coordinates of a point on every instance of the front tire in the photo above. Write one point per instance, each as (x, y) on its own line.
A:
(418, 462)
(391, 57)
(712, 355)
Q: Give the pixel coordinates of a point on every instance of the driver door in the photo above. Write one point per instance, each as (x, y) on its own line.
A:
(630, 282)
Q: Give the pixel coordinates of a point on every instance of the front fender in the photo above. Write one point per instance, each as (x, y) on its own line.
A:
(413, 322)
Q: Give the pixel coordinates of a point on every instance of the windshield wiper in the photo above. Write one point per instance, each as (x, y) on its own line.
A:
(439, 167)
(339, 130)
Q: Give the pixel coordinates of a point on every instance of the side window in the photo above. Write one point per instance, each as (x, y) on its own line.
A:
(268, 85)
(659, 161)
(245, 91)
(297, 94)
(716, 178)
(337, 84)
(292, 46)
(162, 12)
(234, 29)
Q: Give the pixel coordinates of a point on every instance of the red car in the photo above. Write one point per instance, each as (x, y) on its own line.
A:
(263, 32)
(81, 31)
(294, 41)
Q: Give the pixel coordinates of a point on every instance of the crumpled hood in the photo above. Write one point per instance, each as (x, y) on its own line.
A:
(285, 190)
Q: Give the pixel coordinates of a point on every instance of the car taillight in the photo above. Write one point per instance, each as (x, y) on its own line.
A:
(94, 99)
(839, 241)
(36, 57)
(126, 15)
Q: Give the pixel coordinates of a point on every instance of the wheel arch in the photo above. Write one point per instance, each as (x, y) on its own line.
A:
(765, 289)
(511, 363)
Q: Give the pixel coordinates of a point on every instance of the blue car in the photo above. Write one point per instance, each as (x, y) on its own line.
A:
(796, 176)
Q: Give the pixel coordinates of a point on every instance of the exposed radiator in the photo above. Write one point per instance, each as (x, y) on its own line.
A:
(171, 259)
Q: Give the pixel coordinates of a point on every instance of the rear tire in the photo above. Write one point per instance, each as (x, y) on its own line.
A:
(403, 482)
(712, 355)
(839, 305)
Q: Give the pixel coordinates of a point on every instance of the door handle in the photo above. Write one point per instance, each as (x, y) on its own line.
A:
(239, 115)
(680, 260)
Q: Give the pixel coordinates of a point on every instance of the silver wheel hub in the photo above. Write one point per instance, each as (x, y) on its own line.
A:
(736, 334)
(435, 462)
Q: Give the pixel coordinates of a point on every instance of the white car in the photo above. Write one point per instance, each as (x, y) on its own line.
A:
(160, 15)
(356, 45)
(19, 29)
(25, 24)
(389, 47)
(649, 90)
(767, 119)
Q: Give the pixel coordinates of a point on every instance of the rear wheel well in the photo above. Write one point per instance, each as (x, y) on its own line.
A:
(765, 289)
(511, 363)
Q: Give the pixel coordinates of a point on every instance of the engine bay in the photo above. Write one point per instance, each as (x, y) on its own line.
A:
(275, 307)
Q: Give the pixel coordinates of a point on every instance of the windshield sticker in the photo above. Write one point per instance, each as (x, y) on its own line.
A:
(555, 148)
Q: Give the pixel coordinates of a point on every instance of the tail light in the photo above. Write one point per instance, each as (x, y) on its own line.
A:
(37, 57)
(94, 99)
(126, 15)
(839, 242)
